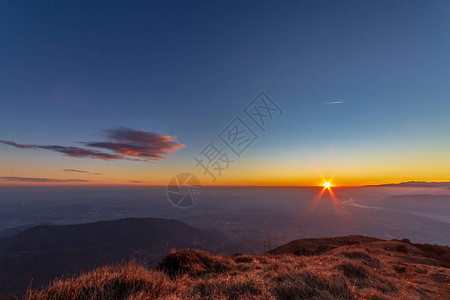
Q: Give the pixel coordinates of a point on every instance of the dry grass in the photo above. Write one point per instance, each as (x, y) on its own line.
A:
(352, 272)
(111, 282)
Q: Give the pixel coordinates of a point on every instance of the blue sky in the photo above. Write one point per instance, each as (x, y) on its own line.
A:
(186, 69)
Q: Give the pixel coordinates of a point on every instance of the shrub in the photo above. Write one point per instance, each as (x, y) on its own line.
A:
(194, 263)
(243, 259)
(351, 270)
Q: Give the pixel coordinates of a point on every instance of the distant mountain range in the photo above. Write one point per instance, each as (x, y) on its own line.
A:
(414, 184)
(45, 252)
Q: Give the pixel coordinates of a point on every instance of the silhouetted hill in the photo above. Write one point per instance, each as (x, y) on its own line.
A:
(9, 232)
(320, 245)
(352, 267)
(47, 251)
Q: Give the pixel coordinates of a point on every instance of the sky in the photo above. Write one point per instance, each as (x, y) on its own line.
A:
(124, 92)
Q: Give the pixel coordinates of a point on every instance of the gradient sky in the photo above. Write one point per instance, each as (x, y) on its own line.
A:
(69, 72)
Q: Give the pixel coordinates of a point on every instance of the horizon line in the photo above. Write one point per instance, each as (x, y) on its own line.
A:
(66, 184)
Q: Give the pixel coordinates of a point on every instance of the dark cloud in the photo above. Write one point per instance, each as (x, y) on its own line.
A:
(21, 146)
(122, 144)
(37, 179)
(80, 152)
(80, 171)
(68, 151)
(135, 181)
(143, 145)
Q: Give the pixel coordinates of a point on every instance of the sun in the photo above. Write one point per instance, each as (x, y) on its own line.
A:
(327, 184)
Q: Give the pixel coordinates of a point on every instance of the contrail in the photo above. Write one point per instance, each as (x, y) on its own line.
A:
(334, 102)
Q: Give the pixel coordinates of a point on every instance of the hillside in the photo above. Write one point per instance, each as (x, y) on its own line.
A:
(45, 252)
(343, 268)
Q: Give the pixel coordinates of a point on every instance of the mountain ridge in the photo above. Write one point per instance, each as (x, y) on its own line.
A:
(352, 267)
(413, 184)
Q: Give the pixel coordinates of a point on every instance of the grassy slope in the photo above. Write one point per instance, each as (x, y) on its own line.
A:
(370, 270)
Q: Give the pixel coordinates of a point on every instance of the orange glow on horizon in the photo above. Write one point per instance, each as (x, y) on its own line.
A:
(243, 179)
(206, 184)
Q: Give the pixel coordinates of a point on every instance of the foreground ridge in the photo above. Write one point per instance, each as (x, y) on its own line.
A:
(336, 268)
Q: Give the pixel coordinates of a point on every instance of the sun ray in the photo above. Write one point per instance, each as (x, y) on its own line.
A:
(327, 187)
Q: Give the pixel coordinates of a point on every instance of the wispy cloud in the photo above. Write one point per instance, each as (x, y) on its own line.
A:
(135, 181)
(79, 152)
(334, 102)
(122, 144)
(67, 151)
(143, 145)
(80, 171)
(39, 179)
(17, 145)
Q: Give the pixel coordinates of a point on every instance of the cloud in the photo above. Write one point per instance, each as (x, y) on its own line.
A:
(121, 144)
(80, 171)
(79, 152)
(135, 181)
(143, 145)
(332, 148)
(334, 102)
(37, 179)
(67, 151)
(14, 144)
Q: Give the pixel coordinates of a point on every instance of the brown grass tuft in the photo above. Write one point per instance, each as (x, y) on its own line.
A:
(309, 285)
(368, 259)
(352, 270)
(194, 263)
(112, 282)
(243, 259)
